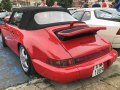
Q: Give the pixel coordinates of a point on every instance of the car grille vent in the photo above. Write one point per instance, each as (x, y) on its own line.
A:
(92, 56)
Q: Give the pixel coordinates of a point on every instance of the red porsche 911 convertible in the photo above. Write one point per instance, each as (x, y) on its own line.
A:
(55, 45)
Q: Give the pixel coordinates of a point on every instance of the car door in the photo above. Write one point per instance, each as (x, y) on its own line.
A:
(12, 30)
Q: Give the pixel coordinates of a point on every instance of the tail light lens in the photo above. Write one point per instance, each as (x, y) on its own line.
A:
(118, 33)
(60, 63)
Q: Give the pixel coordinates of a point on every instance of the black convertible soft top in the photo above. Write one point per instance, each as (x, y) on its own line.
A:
(39, 9)
(28, 21)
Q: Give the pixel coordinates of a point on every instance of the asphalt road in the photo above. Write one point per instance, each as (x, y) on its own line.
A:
(11, 73)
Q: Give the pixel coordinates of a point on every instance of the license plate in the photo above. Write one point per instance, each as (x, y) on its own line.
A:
(98, 69)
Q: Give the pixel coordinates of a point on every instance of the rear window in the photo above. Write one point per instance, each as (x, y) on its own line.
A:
(50, 17)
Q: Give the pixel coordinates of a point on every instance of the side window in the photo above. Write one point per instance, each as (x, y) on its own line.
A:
(78, 15)
(15, 20)
(86, 16)
(103, 14)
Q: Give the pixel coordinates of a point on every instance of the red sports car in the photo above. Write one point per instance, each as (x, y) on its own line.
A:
(52, 43)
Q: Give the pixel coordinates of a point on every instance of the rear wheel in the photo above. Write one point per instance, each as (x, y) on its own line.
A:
(3, 41)
(26, 61)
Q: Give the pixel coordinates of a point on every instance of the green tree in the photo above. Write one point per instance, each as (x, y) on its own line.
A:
(1, 8)
(6, 4)
(116, 1)
(50, 2)
(63, 3)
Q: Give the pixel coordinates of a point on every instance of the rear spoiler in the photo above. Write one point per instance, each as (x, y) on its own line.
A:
(80, 31)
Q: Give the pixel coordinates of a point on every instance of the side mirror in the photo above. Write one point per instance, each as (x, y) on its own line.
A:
(6, 19)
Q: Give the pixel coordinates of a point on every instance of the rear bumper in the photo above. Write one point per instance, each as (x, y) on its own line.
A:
(75, 72)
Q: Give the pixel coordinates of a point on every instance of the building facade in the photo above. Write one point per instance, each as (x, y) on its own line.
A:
(78, 3)
(20, 3)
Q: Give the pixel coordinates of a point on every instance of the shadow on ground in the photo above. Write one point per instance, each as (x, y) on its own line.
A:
(10, 70)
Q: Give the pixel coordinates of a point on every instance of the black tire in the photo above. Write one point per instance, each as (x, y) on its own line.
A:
(31, 70)
(118, 50)
(3, 41)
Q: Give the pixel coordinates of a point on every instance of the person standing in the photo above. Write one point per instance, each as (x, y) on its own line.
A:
(104, 4)
(43, 3)
(85, 5)
(113, 4)
(118, 6)
(96, 5)
(55, 4)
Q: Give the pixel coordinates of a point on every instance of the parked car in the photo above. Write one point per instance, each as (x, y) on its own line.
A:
(102, 17)
(3, 14)
(72, 10)
(55, 45)
(2, 17)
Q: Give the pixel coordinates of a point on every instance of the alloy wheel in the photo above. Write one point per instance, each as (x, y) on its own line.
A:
(24, 59)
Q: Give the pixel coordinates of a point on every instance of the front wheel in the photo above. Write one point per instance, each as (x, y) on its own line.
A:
(26, 61)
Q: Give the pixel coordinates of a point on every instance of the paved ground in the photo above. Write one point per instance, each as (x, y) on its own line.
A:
(10, 69)
(109, 80)
(11, 74)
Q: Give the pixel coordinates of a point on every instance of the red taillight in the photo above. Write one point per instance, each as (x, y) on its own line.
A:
(60, 63)
(118, 33)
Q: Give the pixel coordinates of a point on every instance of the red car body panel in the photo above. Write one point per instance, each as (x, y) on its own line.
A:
(43, 44)
(82, 31)
(73, 73)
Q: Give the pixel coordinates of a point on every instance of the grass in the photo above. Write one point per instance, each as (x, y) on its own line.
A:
(114, 75)
(111, 76)
(103, 79)
(46, 81)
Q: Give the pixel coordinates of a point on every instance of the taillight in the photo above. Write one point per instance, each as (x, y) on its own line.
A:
(118, 33)
(60, 63)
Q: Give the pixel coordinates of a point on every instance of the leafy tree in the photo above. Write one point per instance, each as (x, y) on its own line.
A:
(50, 2)
(116, 1)
(63, 3)
(1, 8)
(6, 4)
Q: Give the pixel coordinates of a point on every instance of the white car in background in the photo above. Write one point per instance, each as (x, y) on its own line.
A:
(107, 17)
(71, 10)
(3, 14)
